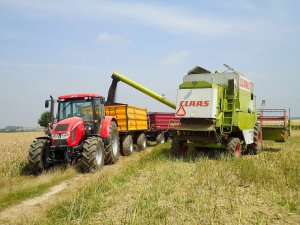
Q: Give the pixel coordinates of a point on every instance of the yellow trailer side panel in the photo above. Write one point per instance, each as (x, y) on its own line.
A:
(129, 118)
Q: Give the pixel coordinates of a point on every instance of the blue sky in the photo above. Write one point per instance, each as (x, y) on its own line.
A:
(59, 47)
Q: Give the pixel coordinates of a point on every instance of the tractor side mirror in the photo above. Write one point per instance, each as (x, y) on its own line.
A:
(47, 104)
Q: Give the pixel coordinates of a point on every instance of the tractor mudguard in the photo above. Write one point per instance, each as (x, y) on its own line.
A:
(105, 126)
(47, 138)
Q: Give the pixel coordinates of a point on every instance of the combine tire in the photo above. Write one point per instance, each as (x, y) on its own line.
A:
(112, 147)
(141, 142)
(36, 156)
(92, 154)
(127, 145)
(234, 147)
(160, 138)
(178, 149)
(256, 147)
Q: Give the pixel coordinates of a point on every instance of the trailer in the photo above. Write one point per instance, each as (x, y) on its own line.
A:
(275, 124)
(162, 126)
(132, 126)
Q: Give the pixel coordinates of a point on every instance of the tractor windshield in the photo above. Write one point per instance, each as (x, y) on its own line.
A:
(75, 107)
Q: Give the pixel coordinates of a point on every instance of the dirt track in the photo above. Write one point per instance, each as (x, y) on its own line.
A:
(33, 208)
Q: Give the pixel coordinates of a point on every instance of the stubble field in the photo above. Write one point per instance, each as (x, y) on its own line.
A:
(151, 187)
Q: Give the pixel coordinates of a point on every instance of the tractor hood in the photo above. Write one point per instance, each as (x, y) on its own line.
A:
(71, 130)
(66, 125)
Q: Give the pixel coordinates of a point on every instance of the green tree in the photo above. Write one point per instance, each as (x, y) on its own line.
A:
(44, 120)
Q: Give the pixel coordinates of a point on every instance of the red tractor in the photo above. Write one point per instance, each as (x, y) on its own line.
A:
(80, 133)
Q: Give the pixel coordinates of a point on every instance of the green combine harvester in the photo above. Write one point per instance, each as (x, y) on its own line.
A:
(217, 110)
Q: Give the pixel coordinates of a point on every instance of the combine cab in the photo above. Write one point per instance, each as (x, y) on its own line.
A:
(275, 124)
(216, 110)
(81, 133)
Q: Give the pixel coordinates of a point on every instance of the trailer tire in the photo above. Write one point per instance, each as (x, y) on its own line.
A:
(256, 146)
(36, 156)
(112, 145)
(141, 142)
(127, 145)
(178, 149)
(160, 138)
(234, 147)
(93, 155)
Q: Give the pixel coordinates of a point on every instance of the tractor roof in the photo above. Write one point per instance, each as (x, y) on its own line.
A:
(81, 95)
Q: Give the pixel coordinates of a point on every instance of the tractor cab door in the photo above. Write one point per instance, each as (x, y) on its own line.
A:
(99, 113)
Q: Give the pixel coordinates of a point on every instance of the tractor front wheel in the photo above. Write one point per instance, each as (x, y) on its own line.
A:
(36, 156)
(112, 147)
(92, 154)
(234, 147)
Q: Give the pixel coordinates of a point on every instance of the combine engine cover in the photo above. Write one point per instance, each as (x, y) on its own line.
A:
(197, 103)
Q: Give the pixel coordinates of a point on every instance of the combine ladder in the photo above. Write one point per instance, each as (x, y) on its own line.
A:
(228, 114)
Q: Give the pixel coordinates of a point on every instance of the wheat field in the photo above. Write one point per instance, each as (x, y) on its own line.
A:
(151, 187)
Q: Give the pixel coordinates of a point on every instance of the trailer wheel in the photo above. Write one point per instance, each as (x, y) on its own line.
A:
(256, 146)
(36, 156)
(127, 145)
(160, 138)
(234, 147)
(178, 149)
(92, 154)
(112, 145)
(141, 142)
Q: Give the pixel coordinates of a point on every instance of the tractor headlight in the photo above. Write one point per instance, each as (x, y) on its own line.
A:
(65, 136)
(56, 136)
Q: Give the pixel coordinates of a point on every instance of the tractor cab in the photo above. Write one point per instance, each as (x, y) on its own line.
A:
(86, 107)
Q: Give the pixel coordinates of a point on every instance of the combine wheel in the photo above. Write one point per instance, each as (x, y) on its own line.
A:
(141, 142)
(92, 154)
(178, 148)
(256, 147)
(234, 147)
(127, 145)
(36, 156)
(112, 147)
(160, 138)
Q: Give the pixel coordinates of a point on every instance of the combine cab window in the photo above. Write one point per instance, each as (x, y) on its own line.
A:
(76, 107)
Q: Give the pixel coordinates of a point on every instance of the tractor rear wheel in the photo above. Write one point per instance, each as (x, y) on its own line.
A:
(92, 154)
(178, 149)
(256, 146)
(141, 142)
(36, 156)
(234, 147)
(112, 147)
(160, 138)
(127, 145)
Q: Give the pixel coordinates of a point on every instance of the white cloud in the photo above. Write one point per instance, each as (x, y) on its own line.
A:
(162, 16)
(105, 37)
(176, 58)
